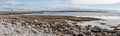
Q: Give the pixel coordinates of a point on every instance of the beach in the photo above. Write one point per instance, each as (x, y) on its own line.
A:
(28, 24)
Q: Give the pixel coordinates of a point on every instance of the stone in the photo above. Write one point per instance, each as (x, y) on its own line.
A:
(102, 23)
(89, 25)
(117, 28)
(113, 26)
(118, 33)
(80, 34)
(98, 34)
(96, 29)
(104, 33)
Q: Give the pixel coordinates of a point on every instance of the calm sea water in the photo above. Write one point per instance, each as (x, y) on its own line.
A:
(83, 14)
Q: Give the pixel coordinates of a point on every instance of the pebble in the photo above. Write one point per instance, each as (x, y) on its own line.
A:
(64, 29)
(102, 23)
(118, 33)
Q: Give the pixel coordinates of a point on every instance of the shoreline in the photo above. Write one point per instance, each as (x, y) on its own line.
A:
(50, 25)
(20, 15)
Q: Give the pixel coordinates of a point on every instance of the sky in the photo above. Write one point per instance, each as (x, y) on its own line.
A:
(26, 5)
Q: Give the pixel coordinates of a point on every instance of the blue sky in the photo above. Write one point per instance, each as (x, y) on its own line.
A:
(39, 4)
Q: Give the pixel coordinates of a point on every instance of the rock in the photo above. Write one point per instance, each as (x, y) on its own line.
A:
(117, 28)
(74, 22)
(58, 28)
(102, 23)
(114, 34)
(96, 29)
(78, 35)
(89, 25)
(98, 34)
(88, 33)
(104, 33)
(18, 31)
(118, 33)
(104, 30)
(113, 26)
(81, 34)
(111, 31)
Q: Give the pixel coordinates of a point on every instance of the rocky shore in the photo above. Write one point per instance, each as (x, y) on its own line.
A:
(32, 25)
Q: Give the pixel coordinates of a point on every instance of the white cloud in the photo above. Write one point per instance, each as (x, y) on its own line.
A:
(94, 1)
(31, 7)
(3, 1)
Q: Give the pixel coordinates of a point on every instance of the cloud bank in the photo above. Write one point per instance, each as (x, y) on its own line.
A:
(31, 7)
(4, 1)
(94, 1)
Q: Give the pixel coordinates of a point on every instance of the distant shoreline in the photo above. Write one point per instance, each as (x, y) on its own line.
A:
(41, 17)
